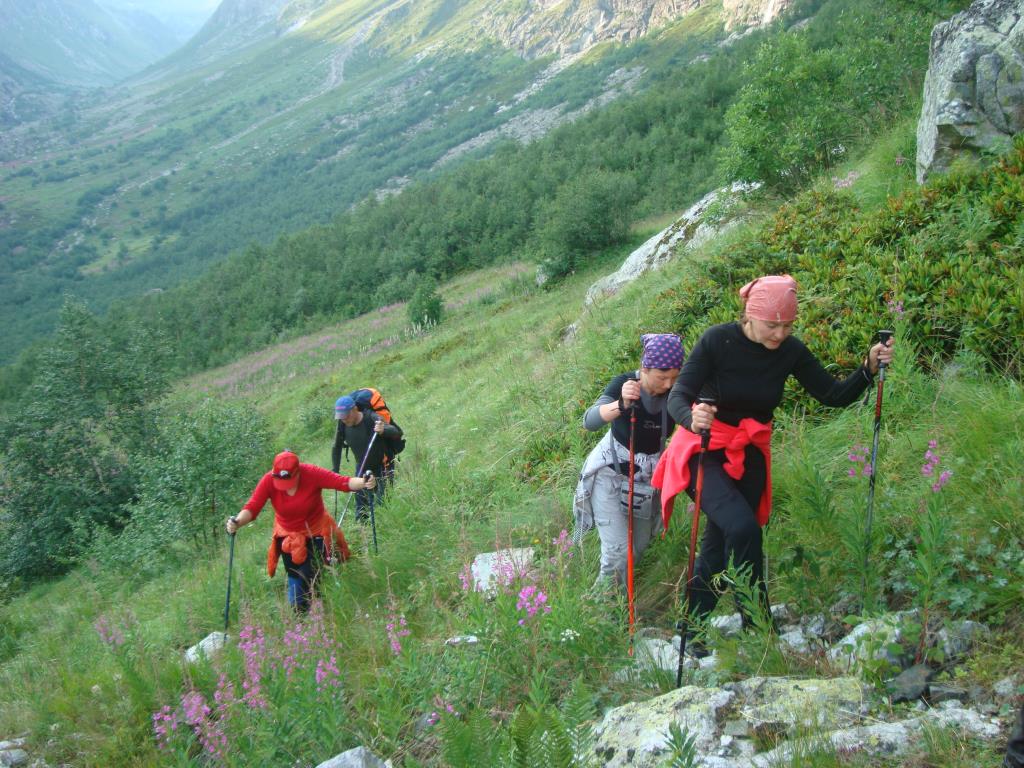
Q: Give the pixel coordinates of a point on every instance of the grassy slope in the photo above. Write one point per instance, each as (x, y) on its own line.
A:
(490, 401)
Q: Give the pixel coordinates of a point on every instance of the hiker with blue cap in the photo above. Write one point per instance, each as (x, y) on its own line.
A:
(371, 440)
(617, 473)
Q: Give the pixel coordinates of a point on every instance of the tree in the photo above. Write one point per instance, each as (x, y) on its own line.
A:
(66, 469)
(426, 307)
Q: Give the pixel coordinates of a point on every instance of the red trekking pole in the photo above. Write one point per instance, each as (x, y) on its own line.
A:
(883, 336)
(683, 626)
(629, 528)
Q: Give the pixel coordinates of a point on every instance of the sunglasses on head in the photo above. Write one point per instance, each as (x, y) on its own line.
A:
(284, 474)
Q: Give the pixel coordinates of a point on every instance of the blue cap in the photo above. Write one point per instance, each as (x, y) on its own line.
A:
(342, 406)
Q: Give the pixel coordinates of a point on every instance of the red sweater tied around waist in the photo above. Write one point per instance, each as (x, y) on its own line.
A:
(672, 475)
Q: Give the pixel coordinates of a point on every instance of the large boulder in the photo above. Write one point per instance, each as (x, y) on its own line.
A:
(637, 734)
(708, 217)
(974, 89)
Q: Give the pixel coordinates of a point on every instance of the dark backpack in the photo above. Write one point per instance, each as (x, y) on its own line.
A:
(370, 399)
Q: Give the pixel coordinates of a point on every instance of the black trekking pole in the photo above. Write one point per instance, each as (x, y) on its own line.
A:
(373, 517)
(630, 593)
(883, 336)
(683, 625)
(231, 563)
(359, 473)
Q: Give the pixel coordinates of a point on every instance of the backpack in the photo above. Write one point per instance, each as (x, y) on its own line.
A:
(370, 399)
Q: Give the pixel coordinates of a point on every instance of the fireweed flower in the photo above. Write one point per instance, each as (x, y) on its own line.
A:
(253, 646)
(209, 733)
(110, 634)
(165, 725)
(396, 628)
(858, 457)
(327, 674)
(466, 578)
(532, 601)
(931, 461)
(895, 307)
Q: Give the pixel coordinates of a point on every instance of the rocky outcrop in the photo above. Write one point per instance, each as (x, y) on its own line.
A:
(741, 14)
(707, 218)
(974, 89)
(543, 27)
(762, 722)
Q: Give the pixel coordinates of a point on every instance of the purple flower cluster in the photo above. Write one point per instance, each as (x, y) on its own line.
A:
(532, 601)
(397, 629)
(209, 731)
(165, 726)
(895, 307)
(254, 650)
(858, 456)
(931, 462)
(110, 634)
(442, 706)
(847, 181)
(466, 578)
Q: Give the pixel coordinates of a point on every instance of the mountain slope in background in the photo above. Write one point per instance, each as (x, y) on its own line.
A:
(278, 115)
(77, 42)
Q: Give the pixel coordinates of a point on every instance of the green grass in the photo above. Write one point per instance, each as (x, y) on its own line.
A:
(491, 401)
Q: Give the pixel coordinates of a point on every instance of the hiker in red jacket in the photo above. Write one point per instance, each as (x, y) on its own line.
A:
(743, 367)
(304, 532)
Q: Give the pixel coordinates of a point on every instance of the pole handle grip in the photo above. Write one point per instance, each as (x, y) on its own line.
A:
(705, 434)
(884, 337)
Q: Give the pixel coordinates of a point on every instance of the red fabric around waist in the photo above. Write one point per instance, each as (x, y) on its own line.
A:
(672, 475)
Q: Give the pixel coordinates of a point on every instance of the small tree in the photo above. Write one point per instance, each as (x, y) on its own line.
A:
(426, 306)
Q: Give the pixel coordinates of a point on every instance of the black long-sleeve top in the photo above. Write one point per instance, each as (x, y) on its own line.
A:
(747, 379)
(358, 438)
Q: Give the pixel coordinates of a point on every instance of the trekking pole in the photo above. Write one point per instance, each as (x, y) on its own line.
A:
(359, 473)
(683, 625)
(630, 594)
(373, 517)
(883, 336)
(231, 563)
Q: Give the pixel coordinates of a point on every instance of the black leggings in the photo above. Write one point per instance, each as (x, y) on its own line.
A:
(731, 530)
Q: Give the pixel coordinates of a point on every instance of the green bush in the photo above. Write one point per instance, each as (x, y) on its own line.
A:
(204, 466)
(426, 308)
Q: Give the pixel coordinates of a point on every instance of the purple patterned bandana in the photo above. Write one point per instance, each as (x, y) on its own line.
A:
(662, 350)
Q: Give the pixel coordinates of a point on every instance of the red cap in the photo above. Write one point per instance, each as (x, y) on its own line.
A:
(286, 470)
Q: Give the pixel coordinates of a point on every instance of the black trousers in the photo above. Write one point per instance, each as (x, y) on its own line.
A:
(731, 531)
(302, 577)
(1015, 749)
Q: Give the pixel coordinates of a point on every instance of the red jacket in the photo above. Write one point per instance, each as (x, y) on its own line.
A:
(299, 516)
(672, 475)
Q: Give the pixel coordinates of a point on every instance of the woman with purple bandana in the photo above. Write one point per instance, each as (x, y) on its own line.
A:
(602, 495)
(743, 368)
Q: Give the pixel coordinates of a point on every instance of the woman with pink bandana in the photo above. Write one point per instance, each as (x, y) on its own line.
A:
(742, 367)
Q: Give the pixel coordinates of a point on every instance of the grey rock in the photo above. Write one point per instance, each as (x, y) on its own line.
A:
(974, 88)
(872, 640)
(1007, 687)
(795, 640)
(360, 757)
(206, 648)
(463, 640)
(957, 640)
(911, 684)
(13, 757)
(939, 692)
(636, 734)
(799, 703)
(700, 223)
(491, 570)
(730, 625)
